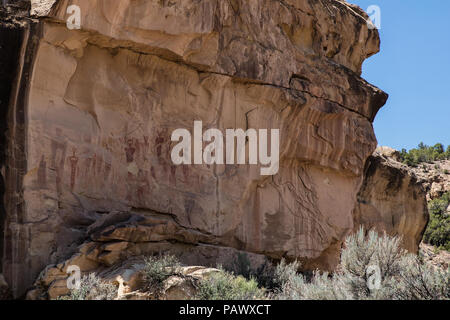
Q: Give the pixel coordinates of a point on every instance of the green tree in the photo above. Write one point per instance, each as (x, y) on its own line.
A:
(439, 148)
(424, 153)
(438, 229)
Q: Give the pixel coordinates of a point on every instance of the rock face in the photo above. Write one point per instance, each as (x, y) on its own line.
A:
(91, 112)
(121, 264)
(129, 281)
(439, 259)
(392, 200)
(435, 177)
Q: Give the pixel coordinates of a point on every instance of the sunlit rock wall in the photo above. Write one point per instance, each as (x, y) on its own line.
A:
(103, 101)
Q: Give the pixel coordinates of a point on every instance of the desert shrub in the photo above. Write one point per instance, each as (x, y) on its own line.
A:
(438, 229)
(159, 268)
(241, 265)
(92, 288)
(224, 285)
(372, 267)
(295, 286)
(263, 275)
(290, 284)
(371, 252)
(421, 281)
(286, 273)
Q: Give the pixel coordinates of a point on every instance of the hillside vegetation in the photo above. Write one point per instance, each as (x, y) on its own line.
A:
(424, 153)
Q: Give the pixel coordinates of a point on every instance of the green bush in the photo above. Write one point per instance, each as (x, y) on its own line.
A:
(438, 229)
(263, 275)
(224, 285)
(424, 153)
(92, 288)
(401, 275)
(157, 269)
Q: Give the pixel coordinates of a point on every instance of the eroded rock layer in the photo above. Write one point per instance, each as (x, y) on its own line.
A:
(392, 200)
(120, 238)
(100, 104)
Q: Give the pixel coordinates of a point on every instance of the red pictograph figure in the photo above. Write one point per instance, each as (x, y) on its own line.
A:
(159, 141)
(99, 164)
(143, 186)
(129, 185)
(130, 150)
(87, 167)
(146, 143)
(94, 162)
(186, 173)
(58, 146)
(42, 173)
(173, 175)
(107, 170)
(58, 158)
(144, 148)
(153, 173)
(73, 168)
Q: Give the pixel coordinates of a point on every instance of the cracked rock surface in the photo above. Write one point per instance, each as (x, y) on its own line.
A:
(93, 110)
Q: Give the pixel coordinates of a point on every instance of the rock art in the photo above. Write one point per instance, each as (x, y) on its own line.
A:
(90, 113)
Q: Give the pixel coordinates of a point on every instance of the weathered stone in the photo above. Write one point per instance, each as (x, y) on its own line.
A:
(41, 7)
(388, 152)
(183, 285)
(437, 258)
(392, 200)
(57, 289)
(123, 267)
(94, 110)
(177, 287)
(434, 176)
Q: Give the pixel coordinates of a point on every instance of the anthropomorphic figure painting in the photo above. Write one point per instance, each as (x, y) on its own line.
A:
(73, 168)
(130, 150)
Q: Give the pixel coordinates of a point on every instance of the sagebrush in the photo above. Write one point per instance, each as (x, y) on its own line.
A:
(92, 288)
(372, 267)
(224, 285)
(159, 268)
(399, 275)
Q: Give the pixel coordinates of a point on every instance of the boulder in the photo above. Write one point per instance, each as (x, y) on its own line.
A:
(388, 152)
(120, 260)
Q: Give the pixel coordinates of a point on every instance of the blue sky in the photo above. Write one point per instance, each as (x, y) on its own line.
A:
(413, 67)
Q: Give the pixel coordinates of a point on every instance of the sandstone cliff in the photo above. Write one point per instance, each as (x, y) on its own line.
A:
(392, 199)
(90, 112)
